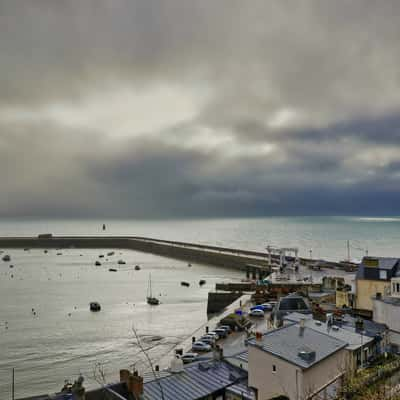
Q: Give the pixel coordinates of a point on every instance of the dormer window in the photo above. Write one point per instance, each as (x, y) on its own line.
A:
(382, 274)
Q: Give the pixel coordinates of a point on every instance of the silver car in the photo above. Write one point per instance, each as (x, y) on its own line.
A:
(201, 346)
(189, 357)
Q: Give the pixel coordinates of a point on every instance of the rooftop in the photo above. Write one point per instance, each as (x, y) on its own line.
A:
(289, 341)
(353, 339)
(395, 301)
(195, 381)
(369, 267)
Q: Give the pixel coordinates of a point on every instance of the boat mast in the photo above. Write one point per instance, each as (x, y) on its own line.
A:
(151, 294)
(13, 385)
(348, 250)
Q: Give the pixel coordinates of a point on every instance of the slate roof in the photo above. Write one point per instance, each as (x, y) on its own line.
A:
(389, 264)
(243, 356)
(287, 342)
(371, 328)
(349, 336)
(241, 389)
(196, 381)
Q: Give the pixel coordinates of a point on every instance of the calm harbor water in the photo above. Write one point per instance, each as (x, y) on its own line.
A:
(64, 338)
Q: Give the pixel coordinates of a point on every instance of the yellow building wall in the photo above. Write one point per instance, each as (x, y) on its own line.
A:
(365, 289)
(342, 298)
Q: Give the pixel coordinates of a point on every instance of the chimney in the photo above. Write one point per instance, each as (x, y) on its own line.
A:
(135, 385)
(78, 390)
(301, 326)
(124, 375)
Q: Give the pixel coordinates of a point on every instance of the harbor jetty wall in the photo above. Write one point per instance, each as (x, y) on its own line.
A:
(191, 252)
(254, 263)
(217, 301)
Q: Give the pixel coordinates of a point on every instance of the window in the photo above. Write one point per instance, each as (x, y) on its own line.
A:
(398, 287)
(274, 368)
(383, 274)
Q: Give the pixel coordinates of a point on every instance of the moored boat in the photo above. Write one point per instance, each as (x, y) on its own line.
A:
(95, 306)
(153, 301)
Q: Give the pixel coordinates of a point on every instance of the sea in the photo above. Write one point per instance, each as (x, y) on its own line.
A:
(48, 335)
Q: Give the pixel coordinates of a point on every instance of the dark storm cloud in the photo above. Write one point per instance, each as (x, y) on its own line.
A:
(160, 109)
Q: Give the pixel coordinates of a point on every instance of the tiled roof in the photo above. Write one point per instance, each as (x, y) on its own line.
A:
(287, 342)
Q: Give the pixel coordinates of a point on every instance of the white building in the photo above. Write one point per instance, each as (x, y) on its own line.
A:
(386, 310)
(295, 361)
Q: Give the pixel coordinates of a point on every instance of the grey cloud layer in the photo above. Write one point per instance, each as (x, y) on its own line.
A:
(298, 108)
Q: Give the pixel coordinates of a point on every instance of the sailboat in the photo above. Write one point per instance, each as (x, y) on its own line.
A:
(150, 299)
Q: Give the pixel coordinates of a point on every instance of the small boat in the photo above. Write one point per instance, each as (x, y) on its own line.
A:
(121, 262)
(11, 266)
(183, 283)
(111, 253)
(104, 227)
(112, 269)
(189, 265)
(6, 258)
(95, 306)
(137, 268)
(153, 301)
(101, 255)
(202, 282)
(59, 254)
(26, 249)
(97, 263)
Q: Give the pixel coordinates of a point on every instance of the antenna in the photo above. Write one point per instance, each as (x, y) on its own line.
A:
(348, 250)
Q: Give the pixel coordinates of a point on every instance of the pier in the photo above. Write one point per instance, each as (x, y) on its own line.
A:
(256, 264)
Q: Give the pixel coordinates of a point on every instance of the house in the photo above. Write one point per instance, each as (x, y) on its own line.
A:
(361, 346)
(288, 304)
(295, 361)
(386, 310)
(373, 278)
(206, 380)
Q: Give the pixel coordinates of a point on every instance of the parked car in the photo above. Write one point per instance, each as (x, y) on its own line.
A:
(189, 357)
(226, 327)
(213, 333)
(256, 313)
(222, 333)
(201, 346)
(257, 307)
(268, 306)
(207, 339)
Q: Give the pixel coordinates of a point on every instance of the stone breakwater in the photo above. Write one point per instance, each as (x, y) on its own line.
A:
(211, 255)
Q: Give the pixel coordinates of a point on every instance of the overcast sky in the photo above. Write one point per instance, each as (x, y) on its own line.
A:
(199, 108)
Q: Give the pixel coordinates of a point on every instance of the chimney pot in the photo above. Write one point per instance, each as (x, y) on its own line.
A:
(135, 385)
(124, 375)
